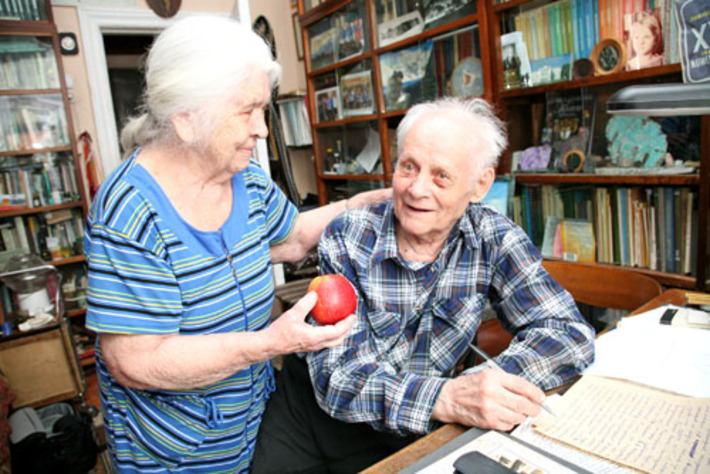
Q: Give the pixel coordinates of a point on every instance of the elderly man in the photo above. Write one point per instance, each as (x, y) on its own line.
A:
(424, 267)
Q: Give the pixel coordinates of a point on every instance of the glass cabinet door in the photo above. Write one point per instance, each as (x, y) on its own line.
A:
(27, 62)
(33, 10)
(339, 36)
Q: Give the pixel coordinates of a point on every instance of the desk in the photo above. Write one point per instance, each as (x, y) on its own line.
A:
(446, 433)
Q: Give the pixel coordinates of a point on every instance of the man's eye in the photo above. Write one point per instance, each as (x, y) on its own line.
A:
(443, 176)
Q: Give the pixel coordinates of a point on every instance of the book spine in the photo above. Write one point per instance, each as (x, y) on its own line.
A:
(669, 229)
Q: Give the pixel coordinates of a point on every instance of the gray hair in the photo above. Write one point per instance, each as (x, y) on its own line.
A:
(478, 111)
(195, 65)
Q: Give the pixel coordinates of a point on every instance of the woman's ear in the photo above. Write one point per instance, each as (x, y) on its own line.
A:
(184, 129)
(483, 184)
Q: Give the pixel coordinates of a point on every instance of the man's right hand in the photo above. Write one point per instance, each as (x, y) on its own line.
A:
(490, 399)
(291, 333)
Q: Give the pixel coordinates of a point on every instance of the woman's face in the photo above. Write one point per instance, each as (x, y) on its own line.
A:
(642, 40)
(231, 144)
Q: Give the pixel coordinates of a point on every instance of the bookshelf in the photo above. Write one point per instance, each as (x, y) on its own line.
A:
(654, 223)
(44, 199)
(367, 61)
(481, 33)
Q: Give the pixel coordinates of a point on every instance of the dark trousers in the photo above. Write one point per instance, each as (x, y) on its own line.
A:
(296, 436)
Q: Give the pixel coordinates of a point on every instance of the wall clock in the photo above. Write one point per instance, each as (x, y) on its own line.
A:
(68, 43)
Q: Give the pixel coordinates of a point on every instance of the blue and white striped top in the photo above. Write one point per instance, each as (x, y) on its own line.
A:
(152, 273)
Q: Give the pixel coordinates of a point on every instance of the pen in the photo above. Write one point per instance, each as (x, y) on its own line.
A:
(495, 364)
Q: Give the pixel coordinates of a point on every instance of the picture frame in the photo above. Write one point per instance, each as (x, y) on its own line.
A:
(356, 94)
(298, 36)
(608, 56)
(323, 49)
(401, 27)
(551, 69)
(350, 35)
(410, 67)
(328, 104)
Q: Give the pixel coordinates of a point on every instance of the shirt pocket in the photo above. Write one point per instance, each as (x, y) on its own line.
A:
(169, 428)
(454, 325)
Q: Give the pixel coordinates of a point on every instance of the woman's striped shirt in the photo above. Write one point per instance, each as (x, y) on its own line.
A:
(152, 273)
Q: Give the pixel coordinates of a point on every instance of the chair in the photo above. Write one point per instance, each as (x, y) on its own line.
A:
(596, 285)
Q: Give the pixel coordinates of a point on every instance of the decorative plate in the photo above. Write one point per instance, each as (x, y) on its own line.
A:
(467, 78)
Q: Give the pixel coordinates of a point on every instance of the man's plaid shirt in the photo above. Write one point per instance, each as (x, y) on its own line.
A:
(403, 348)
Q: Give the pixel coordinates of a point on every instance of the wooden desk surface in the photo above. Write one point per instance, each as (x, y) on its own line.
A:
(429, 443)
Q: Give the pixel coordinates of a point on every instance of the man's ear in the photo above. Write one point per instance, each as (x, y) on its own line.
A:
(483, 184)
(184, 128)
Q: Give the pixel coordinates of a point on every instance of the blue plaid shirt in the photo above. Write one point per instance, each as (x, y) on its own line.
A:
(415, 318)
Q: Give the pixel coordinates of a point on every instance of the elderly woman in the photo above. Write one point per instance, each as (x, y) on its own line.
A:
(180, 242)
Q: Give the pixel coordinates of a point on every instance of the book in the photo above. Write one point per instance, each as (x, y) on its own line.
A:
(577, 241)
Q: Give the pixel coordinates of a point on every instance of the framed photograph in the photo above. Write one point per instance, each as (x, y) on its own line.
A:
(644, 39)
(402, 27)
(356, 94)
(297, 34)
(515, 53)
(608, 56)
(552, 69)
(438, 12)
(404, 75)
(323, 49)
(328, 104)
(351, 36)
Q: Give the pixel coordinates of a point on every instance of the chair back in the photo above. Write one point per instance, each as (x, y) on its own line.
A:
(595, 285)
(601, 286)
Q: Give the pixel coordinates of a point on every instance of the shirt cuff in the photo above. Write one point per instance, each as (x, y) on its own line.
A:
(413, 403)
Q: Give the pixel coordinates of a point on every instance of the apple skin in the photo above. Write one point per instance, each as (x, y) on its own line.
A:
(336, 298)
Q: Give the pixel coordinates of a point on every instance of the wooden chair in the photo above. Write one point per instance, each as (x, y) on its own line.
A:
(605, 287)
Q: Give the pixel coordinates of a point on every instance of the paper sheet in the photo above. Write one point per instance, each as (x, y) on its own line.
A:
(634, 425)
(595, 464)
(675, 359)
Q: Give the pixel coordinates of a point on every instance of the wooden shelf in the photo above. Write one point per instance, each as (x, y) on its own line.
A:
(594, 179)
(42, 209)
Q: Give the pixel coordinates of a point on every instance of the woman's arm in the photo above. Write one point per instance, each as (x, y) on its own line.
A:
(174, 362)
(309, 225)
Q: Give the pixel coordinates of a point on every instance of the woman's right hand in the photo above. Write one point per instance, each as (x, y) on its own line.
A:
(291, 333)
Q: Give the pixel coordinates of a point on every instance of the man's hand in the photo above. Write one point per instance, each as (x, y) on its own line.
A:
(291, 333)
(490, 399)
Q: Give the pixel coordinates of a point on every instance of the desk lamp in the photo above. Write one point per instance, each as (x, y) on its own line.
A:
(661, 100)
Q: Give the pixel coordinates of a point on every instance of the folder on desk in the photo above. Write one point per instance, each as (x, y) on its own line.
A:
(500, 447)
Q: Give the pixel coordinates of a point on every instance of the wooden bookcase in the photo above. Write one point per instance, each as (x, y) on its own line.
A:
(44, 198)
(338, 137)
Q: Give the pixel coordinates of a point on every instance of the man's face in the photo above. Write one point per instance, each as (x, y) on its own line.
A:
(436, 176)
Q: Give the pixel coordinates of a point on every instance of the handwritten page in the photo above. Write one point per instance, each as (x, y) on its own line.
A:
(502, 449)
(583, 459)
(637, 426)
(675, 359)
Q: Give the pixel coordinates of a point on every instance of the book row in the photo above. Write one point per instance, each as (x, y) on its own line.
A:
(22, 9)
(652, 227)
(32, 122)
(39, 180)
(294, 119)
(52, 235)
(556, 34)
(27, 63)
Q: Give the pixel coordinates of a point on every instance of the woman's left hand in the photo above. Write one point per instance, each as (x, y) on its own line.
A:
(367, 198)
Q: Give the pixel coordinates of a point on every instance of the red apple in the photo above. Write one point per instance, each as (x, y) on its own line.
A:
(336, 298)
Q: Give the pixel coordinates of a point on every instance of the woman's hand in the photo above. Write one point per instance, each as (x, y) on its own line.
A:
(291, 333)
(367, 198)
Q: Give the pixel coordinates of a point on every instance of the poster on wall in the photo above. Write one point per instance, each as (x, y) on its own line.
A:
(692, 16)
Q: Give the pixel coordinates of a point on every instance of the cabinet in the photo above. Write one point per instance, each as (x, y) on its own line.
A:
(367, 61)
(651, 221)
(44, 200)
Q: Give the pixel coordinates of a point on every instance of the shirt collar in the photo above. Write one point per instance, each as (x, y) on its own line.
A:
(386, 245)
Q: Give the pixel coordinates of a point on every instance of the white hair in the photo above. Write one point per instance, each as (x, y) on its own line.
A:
(195, 65)
(481, 115)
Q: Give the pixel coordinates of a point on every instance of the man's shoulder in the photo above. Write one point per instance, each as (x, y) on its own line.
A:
(489, 223)
(368, 218)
